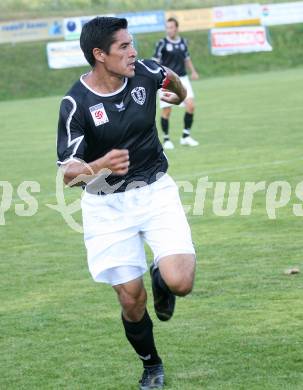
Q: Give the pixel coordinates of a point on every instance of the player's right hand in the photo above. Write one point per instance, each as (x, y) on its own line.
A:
(117, 160)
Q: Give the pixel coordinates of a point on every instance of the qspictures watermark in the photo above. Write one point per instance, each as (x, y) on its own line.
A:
(225, 198)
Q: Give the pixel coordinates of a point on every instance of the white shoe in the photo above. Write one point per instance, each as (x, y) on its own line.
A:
(168, 145)
(188, 141)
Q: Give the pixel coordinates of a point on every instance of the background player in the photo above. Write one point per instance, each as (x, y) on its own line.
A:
(172, 51)
(107, 138)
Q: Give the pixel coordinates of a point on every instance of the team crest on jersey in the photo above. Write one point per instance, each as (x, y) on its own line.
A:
(139, 95)
(99, 114)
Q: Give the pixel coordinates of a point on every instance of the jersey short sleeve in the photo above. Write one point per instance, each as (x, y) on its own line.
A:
(71, 144)
(153, 70)
(158, 50)
(186, 52)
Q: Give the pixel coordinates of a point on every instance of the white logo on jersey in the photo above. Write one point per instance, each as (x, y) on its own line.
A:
(139, 95)
(182, 46)
(169, 47)
(99, 114)
(120, 107)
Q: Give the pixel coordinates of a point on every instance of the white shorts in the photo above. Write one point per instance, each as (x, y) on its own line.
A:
(190, 93)
(117, 225)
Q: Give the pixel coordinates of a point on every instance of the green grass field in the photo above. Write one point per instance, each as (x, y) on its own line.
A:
(241, 328)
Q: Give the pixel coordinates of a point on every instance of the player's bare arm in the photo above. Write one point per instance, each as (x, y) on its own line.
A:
(117, 161)
(190, 66)
(174, 91)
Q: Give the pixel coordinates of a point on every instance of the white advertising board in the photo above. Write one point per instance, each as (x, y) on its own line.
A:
(67, 54)
(232, 40)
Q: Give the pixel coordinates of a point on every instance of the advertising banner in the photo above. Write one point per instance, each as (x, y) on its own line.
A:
(225, 41)
(144, 22)
(237, 15)
(138, 22)
(72, 27)
(31, 30)
(192, 19)
(282, 13)
(62, 55)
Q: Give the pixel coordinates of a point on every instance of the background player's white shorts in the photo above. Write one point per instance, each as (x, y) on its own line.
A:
(117, 225)
(190, 93)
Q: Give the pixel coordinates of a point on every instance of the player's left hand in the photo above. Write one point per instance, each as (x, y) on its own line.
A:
(194, 75)
(170, 97)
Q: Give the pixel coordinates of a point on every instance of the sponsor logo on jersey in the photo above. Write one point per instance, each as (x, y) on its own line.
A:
(120, 107)
(139, 95)
(99, 114)
(182, 46)
(169, 47)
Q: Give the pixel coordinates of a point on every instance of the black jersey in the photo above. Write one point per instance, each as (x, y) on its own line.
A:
(92, 124)
(172, 53)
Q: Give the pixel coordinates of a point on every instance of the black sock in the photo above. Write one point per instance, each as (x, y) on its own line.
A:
(188, 121)
(157, 278)
(165, 128)
(140, 335)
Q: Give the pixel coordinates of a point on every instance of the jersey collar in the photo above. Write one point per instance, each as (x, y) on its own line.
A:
(178, 40)
(103, 94)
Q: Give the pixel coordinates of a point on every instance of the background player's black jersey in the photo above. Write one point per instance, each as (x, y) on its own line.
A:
(172, 54)
(92, 124)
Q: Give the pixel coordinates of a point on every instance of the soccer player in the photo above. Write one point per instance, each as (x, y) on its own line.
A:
(172, 52)
(108, 143)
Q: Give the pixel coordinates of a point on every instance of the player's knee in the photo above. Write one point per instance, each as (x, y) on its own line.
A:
(181, 287)
(178, 273)
(166, 113)
(190, 106)
(130, 303)
(133, 303)
(184, 289)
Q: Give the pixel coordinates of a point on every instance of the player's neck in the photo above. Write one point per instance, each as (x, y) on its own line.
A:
(103, 82)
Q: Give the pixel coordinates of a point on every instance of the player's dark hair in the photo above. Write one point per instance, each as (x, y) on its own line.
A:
(99, 33)
(173, 20)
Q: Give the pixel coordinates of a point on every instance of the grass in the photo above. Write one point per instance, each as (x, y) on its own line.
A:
(241, 328)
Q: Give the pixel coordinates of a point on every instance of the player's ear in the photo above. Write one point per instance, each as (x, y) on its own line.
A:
(98, 54)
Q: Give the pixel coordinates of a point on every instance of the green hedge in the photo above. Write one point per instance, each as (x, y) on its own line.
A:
(25, 72)
(23, 9)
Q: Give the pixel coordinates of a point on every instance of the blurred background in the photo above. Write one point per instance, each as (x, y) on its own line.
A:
(27, 25)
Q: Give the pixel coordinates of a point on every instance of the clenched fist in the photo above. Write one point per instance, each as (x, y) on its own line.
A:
(117, 160)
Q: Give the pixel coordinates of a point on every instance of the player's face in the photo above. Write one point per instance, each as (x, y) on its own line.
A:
(171, 30)
(122, 55)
